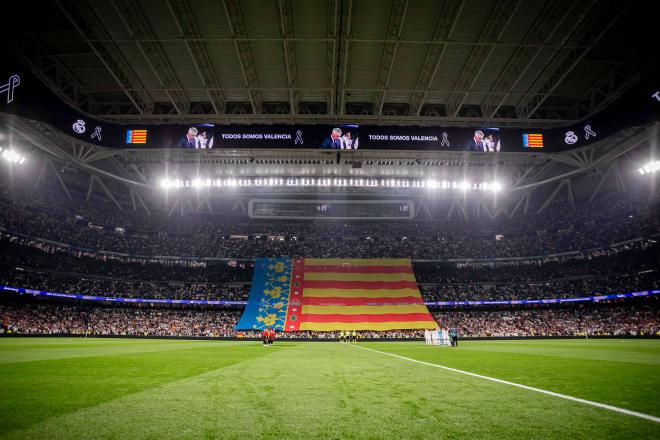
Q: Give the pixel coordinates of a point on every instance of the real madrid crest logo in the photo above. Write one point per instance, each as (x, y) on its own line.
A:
(570, 138)
(79, 126)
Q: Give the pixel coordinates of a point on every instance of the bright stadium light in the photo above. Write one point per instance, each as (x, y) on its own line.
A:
(12, 156)
(264, 182)
(431, 184)
(650, 167)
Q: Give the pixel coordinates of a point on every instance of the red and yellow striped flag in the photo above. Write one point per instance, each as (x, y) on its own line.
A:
(533, 140)
(355, 294)
(136, 136)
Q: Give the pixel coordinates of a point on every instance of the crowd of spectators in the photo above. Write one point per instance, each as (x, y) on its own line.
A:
(209, 257)
(17, 255)
(634, 257)
(621, 319)
(617, 271)
(567, 288)
(557, 229)
(51, 319)
(87, 285)
(54, 282)
(592, 320)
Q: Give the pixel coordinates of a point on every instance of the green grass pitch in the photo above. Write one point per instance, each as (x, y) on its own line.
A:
(162, 389)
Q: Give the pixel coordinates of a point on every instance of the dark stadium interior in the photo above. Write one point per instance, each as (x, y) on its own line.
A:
(198, 61)
(442, 216)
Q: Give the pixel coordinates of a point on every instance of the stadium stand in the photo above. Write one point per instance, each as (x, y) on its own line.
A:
(569, 229)
(606, 246)
(610, 319)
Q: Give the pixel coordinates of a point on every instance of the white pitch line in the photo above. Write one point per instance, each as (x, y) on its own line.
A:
(525, 387)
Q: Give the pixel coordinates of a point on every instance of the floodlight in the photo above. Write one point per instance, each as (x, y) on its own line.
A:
(650, 167)
(12, 156)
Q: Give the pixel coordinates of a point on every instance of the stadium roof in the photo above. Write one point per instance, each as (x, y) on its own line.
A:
(442, 63)
(464, 62)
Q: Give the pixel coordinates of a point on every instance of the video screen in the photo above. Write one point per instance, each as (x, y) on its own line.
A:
(342, 137)
(198, 137)
(477, 139)
(487, 140)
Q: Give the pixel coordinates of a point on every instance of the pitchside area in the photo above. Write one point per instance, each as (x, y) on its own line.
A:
(109, 388)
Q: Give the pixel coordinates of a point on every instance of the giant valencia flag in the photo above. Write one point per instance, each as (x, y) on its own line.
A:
(335, 294)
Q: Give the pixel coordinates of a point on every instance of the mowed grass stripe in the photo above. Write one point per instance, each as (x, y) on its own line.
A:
(42, 389)
(525, 387)
(92, 347)
(633, 385)
(587, 350)
(332, 390)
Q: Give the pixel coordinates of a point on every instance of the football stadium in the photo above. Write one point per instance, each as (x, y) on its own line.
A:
(329, 219)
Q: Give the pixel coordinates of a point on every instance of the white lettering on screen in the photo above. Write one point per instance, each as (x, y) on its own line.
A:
(400, 137)
(252, 136)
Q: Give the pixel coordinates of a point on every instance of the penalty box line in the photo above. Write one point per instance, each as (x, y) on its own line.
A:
(526, 387)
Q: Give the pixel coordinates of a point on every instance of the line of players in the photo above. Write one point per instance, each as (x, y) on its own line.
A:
(433, 337)
(444, 337)
(268, 336)
(347, 336)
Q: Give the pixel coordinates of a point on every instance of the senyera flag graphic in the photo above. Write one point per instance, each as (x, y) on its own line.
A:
(335, 294)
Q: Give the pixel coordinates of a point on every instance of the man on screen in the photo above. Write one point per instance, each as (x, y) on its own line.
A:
(333, 142)
(189, 140)
(476, 143)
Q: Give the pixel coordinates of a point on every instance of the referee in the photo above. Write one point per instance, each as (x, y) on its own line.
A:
(453, 335)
